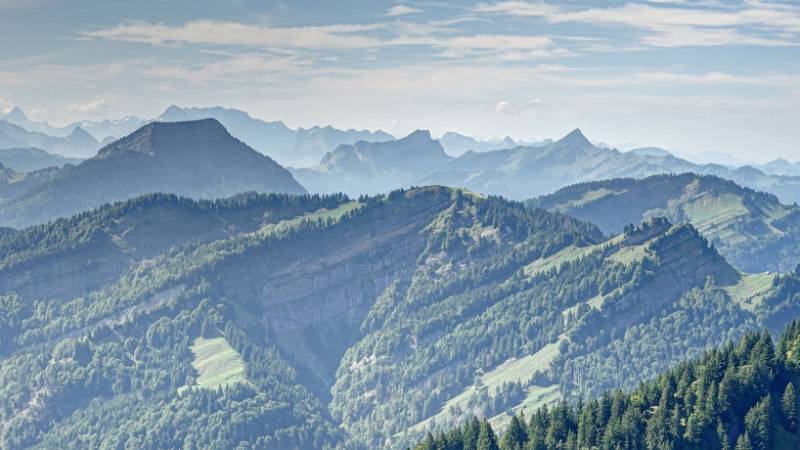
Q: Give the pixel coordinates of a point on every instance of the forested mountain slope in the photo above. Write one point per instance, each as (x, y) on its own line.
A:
(198, 159)
(14, 183)
(754, 230)
(275, 321)
(742, 396)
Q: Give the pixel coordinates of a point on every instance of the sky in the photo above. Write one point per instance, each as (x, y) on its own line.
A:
(697, 76)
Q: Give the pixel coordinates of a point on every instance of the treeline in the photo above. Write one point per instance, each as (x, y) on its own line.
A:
(72, 232)
(739, 397)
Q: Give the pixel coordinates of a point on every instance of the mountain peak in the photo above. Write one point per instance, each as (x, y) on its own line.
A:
(575, 138)
(15, 114)
(418, 135)
(172, 109)
(173, 113)
(79, 132)
(508, 142)
(161, 138)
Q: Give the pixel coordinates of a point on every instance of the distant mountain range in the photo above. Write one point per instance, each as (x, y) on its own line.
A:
(456, 144)
(531, 171)
(30, 159)
(290, 147)
(305, 148)
(781, 167)
(196, 158)
(751, 229)
(103, 130)
(374, 167)
(517, 173)
(293, 147)
(77, 144)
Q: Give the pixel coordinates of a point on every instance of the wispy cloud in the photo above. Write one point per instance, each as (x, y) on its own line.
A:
(249, 68)
(330, 37)
(89, 106)
(401, 10)
(5, 106)
(519, 8)
(674, 23)
(529, 107)
(786, 80)
(439, 39)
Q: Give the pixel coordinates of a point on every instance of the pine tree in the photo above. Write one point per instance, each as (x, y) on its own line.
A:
(757, 423)
(743, 443)
(722, 435)
(487, 440)
(515, 436)
(471, 432)
(789, 406)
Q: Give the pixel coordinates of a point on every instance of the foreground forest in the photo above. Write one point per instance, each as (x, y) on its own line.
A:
(742, 396)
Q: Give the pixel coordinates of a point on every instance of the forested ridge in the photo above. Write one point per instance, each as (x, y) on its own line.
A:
(312, 322)
(742, 396)
(752, 229)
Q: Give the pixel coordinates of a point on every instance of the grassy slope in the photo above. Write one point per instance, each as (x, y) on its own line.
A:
(751, 289)
(217, 363)
(740, 220)
(748, 293)
(513, 370)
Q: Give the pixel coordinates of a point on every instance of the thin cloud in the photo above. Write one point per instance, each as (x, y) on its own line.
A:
(250, 68)
(530, 107)
(518, 8)
(401, 10)
(440, 40)
(88, 107)
(5, 106)
(328, 37)
(673, 23)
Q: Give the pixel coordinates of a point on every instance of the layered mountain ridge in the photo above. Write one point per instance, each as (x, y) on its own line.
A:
(374, 167)
(297, 147)
(198, 159)
(519, 172)
(77, 144)
(32, 159)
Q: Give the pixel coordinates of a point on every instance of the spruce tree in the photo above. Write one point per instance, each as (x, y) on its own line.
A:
(722, 435)
(515, 436)
(486, 437)
(789, 406)
(743, 443)
(757, 423)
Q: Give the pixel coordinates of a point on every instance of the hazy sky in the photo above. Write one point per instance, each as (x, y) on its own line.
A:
(699, 75)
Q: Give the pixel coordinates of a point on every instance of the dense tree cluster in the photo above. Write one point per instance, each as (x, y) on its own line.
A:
(739, 397)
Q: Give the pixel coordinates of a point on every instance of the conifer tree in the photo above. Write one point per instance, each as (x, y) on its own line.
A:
(487, 440)
(743, 443)
(515, 436)
(789, 406)
(757, 423)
